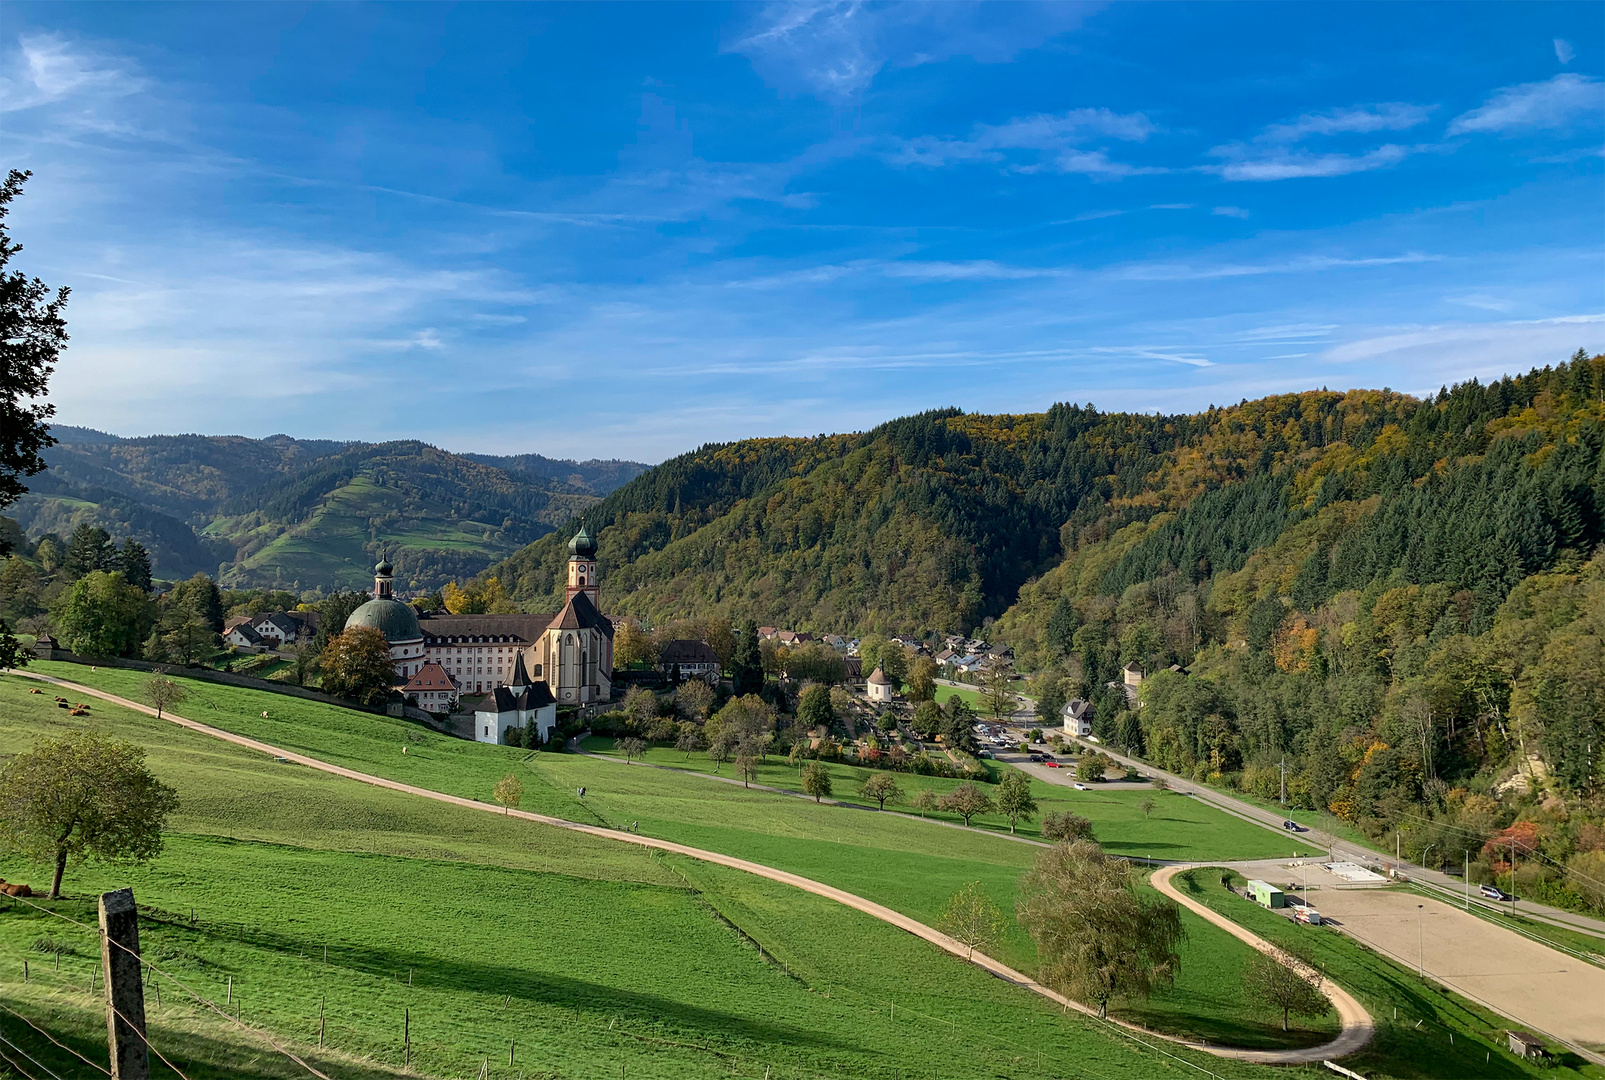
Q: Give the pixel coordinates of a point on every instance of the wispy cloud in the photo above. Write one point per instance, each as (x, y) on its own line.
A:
(1303, 265)
(47, 68)
(1564, 51)
(1360, 119)
(1292, 166)
(1230, 211)
(835, 49)
(1048, 142)
(1553, 104)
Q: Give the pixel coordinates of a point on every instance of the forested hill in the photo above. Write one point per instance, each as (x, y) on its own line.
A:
(941, 520)
(307, 514)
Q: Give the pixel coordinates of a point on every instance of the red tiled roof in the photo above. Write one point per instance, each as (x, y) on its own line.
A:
(430, 677)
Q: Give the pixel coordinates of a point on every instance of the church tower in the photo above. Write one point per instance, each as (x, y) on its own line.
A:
(582, 576)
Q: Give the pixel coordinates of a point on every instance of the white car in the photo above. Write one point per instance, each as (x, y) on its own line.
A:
(1081, 787)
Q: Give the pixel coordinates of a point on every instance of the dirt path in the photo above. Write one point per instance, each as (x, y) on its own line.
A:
(1358, 1027)
(1348, 1041)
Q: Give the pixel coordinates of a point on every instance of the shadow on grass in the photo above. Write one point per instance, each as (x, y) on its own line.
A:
(430, 971)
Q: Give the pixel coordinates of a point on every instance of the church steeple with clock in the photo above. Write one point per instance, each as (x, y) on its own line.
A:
(582, 576)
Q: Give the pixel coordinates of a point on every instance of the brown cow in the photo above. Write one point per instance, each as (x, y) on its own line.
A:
(16, 890)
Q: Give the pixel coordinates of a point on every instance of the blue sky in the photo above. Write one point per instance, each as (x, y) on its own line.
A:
(617, 230)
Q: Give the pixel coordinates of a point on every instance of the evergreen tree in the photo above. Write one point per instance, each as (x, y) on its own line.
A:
(90, 549)
(134, 562)
(746, 667)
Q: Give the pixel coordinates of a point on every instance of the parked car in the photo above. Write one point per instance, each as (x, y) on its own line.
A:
(1047, 757)
(1036, 757)
(1493, 892)
(1081, 787)
(1052, 764)
(1293, 826)
(984, 753)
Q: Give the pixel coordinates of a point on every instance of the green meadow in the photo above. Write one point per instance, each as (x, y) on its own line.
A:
(491, 934)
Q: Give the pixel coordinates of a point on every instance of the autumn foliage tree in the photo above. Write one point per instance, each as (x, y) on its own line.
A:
(357, 665)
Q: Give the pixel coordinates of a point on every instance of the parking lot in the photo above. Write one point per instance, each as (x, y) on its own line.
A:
(1541, 987)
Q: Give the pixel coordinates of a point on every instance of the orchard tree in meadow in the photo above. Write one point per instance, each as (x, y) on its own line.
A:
(882, 787)
(1015, 801)
(973, 919)
(357, 665)
(1276, 984)
(1097, 937)
(926, 800)
(689, 739)
(1147, 806)
(967, 800)
(816, 779)
(103, 615)
(632, 749)
(84, 796)
(508, 793)
(164, 693)
(747, 762)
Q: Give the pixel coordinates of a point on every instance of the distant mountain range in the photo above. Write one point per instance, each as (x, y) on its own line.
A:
(308, 513)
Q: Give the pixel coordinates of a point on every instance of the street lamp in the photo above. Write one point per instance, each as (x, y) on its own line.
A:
(1430, 846)
(1421, 918)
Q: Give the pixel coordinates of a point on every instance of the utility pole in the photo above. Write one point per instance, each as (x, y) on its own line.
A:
(125, 990)
(1421, 918)
(1466, 876)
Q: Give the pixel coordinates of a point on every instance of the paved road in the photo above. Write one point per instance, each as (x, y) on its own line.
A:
(1343, 1044)
(1452, 888)
(1358, 1027)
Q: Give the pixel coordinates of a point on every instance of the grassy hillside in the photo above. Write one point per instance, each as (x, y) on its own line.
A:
(590, 954)
(290, 513)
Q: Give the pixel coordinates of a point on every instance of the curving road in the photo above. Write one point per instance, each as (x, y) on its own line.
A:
(1357, 1025)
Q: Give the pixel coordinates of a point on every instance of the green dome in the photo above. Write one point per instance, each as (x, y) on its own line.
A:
(582, 545)
(395, 620)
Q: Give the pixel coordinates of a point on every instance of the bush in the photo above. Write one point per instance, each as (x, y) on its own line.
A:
(1066, 826)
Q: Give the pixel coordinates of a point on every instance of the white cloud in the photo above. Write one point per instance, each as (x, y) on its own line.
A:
(1564, 51)
(1550, 105)
(975, 270)
(1453, 353)
(1055, 135)
(1303, 265)
(1230, 211)
(1292, 166)
(48, 69)
(1361, 119)
(835, 49)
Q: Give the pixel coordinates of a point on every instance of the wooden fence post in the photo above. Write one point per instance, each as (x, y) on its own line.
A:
(125, 990)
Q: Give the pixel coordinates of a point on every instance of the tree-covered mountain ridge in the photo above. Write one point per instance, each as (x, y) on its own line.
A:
(941, 520)
(308, 514)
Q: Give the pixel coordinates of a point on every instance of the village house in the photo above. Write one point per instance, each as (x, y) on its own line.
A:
(239, 632)
(690, 659)
(1078, 718)
(431, 689)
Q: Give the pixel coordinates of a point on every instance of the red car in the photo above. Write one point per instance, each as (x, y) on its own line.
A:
(1051, 764)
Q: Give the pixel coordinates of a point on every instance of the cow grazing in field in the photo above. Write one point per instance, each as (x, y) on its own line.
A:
(36, 691)
(16, 889)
